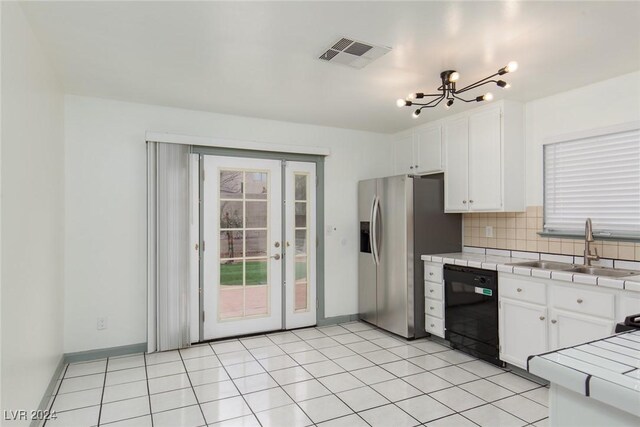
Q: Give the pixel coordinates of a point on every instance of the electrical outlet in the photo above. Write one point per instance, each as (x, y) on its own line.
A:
(101, 323)
(488, 231)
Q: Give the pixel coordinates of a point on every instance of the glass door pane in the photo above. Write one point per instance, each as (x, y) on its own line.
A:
(242, 281)
(300, 184)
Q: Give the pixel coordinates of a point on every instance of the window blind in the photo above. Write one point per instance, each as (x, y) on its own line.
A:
(595, 177)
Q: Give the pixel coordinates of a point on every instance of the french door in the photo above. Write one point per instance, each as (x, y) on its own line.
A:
(258, 259)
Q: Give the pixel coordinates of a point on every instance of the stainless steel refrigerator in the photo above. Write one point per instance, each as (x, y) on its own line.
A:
(400, 219)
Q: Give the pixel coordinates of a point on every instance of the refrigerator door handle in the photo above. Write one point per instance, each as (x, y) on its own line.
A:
(374, 232)
(379, 225)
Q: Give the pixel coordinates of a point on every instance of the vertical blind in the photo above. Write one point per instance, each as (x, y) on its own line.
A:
(595, 177)
(169, 244)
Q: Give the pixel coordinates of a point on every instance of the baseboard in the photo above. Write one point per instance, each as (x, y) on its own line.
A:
(84, 356)
(337, 319)
(50, 391)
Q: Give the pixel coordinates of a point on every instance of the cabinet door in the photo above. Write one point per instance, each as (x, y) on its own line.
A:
(568, 329)
(523, 331)
(456, 167)
(485, 165)
(427, 150)
(403, 156)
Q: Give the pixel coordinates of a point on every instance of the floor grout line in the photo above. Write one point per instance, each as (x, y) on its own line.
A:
(193, 390)
(146, 375)
(104, 383)
(320, 348)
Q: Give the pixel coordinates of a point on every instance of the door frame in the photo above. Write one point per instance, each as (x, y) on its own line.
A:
(270, 155)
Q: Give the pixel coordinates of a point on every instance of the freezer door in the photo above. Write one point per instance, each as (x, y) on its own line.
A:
(394, 220)
(367, 192)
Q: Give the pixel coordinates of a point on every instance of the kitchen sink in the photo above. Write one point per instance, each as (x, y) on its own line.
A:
(603, 271)
(573, 268)
(545, 265)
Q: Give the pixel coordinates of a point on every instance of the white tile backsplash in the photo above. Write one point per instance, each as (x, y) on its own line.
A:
(498, 252)
(526, 255)
(473, 250)
(557, 258)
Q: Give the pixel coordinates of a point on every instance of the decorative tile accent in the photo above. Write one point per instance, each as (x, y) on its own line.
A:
(518, 231)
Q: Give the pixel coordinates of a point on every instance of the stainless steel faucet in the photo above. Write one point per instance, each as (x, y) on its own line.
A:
(588, 240)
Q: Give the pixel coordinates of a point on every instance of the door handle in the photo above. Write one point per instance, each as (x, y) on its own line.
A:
(276, 257)
(374, 231)
(379, 224)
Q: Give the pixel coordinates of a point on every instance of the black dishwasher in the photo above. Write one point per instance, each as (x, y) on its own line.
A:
(471, 311)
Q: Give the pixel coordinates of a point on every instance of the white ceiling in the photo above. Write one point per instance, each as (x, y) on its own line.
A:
(259, 58)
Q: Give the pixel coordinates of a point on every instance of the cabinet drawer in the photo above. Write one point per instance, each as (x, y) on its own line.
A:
(434, 326)
(433, 290)
(523, 290)
(583, 301)
(433, 272)
(433, 308)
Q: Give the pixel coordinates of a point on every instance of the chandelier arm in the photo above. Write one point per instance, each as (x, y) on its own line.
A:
(462, 99)
(436, 104)
(478, 83)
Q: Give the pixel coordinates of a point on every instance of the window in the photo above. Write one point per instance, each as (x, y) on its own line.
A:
(594, 176)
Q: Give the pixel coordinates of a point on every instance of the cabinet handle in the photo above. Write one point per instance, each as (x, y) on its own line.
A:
(416, 166)
(579, 300)
(470, 201)
(410, 167)
(519, 289)
(541, 317)
(431, 290)
(433, 326)
(554, 321)
(431, 273)
(464, 202)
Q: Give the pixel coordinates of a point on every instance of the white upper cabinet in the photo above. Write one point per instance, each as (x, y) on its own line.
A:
(427, 149)
(484, 160)
(419, 152)
(403, 155)
(456, 179)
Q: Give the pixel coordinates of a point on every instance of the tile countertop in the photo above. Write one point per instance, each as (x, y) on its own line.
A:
(605, 370)
(499, 263)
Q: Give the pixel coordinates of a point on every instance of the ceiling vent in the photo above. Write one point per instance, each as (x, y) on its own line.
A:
(355, 54)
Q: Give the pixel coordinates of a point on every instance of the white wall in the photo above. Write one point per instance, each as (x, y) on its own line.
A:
(32, 216)
(105, 265)
(602, 104)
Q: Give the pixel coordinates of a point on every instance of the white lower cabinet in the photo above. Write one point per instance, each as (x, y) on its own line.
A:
(522, 329)
(568, 329)
(434, 299)
(538, 315)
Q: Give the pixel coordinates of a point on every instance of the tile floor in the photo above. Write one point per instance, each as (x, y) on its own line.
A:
(346, 375)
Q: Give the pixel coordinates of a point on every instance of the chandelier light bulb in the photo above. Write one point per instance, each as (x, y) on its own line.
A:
(411, 96)
(507, 86)
(487, 96)
(401, 103)
(454, 77)
(416, 114)
(511, 67)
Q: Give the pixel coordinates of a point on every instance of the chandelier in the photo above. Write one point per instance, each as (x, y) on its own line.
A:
(450, 93)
